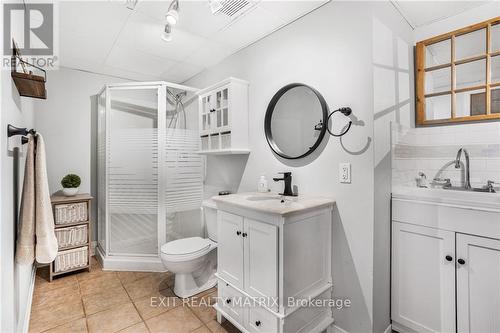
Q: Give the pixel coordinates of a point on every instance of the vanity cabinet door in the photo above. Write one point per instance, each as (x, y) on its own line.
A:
(478, 284)
(261, 260)
(423, 278)
(230, 248)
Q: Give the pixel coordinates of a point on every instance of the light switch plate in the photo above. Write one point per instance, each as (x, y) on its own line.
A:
(345, 173)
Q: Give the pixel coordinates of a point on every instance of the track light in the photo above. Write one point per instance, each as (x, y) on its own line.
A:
(172, 16)
(166, 35)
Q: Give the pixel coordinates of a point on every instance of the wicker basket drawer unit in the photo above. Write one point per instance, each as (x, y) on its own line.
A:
(71, 213)
(72, 227)
(72, 236)
(71, 259)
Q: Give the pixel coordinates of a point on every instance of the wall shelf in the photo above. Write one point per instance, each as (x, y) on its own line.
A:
(224, 152)
(223, 118)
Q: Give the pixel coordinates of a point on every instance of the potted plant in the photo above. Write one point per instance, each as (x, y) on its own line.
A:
(70, 184)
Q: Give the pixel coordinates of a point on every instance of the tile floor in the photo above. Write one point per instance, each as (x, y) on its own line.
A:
(132, 302)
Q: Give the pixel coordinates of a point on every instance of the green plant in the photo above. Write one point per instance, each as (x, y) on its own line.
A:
(71, 181)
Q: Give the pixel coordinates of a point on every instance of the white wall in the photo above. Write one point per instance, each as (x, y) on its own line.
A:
(331, 50)
(15, 280)
(68, 126)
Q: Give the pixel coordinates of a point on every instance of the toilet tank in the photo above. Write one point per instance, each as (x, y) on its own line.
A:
(210, 218)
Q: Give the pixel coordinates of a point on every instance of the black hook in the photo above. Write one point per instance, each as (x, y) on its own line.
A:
(346, 111)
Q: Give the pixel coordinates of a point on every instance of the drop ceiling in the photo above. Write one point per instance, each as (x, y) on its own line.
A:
(106, 37)
(420, 13)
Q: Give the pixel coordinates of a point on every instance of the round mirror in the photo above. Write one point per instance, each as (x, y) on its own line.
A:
(295, 121)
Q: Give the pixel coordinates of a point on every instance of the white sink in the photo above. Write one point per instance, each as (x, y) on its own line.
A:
(271, 203)
(471, 199)
(263, 197)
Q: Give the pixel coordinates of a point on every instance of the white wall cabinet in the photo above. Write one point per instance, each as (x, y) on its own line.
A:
(264, 260)
(444, 280)
(223, 117)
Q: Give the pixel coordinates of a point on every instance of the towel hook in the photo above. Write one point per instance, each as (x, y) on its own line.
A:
(13, 130)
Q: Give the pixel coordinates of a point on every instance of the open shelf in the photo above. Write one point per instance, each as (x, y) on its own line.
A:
(224, 152)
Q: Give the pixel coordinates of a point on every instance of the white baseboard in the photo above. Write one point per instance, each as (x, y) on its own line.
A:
(123, 263)
(24, 319)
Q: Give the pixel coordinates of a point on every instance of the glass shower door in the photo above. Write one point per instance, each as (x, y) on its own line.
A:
(132, 171)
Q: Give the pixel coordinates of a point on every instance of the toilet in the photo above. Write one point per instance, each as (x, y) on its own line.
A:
(193, 260)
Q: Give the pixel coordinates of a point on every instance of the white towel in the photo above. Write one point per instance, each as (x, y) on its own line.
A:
(25, 251)
(37, 239)
(46, 241)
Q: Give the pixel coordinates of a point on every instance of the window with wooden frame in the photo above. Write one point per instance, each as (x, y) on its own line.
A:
(458, 75)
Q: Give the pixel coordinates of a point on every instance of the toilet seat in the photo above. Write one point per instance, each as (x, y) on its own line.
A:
(187, 248)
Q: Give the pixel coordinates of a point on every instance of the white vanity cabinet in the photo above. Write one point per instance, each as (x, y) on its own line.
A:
(445, 267)
(268, 260)
(223, 117)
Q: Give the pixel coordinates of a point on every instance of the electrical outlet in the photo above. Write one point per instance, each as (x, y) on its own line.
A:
(345, 173)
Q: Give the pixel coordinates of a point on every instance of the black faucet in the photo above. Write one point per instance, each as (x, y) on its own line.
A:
(287, 178)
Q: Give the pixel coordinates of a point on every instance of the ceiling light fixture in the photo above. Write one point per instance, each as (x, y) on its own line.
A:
(172, 16)
(166, 35)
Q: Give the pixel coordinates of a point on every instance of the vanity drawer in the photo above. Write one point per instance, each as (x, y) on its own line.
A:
(232, 302)
(261, 320)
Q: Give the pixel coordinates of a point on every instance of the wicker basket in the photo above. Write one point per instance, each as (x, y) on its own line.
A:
(70, 213)
(71, 259)
(72, 236)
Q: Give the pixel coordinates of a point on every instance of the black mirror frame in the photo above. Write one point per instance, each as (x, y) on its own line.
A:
(269, 115)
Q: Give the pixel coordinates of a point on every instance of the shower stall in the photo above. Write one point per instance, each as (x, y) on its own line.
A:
(149, 174)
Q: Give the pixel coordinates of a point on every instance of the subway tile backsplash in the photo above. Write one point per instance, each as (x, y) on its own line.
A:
(433, 150)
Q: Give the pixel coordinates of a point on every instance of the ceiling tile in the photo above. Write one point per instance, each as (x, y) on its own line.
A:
(420, 13)
(143, 33)
(210, 54)
(290, 11)
(254, 25)
(136, 61)
(181, 72)
(194, 16)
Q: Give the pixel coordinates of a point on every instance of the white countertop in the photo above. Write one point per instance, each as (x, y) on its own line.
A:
(291, 205)
(464, 199)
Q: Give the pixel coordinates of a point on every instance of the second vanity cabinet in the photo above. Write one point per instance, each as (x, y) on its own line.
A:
(445, 268)
(271, 261)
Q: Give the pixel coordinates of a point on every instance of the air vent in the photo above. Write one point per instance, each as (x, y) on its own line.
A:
(231, 8)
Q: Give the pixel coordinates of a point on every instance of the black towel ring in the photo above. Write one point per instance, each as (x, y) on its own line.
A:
(346, 111)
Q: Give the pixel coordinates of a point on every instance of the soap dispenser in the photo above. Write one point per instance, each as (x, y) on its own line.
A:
(262, 186)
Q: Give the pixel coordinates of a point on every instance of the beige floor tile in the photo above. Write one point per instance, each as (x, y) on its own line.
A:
(95, 271)
(137, 328)
(146, 286)
(68, 308)
(127, 277)
(178, 320)
(153, 305)
(42, 283)
(48, 297)
(114, 319)
(105, 299)
(202, 329)
(203, 307)
(76, 326)
(98, 284)
(226, 327)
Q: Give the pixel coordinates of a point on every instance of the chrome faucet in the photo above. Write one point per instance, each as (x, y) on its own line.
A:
(467, 166)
